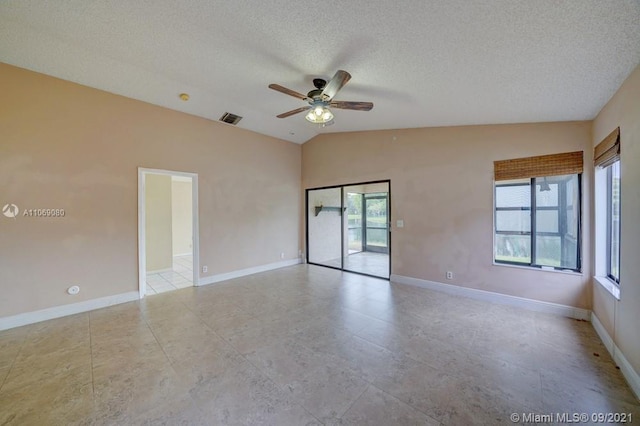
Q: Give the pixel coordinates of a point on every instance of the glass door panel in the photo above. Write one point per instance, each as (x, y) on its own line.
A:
(366, 229)
(324, 226)
(354, 223)
(376, 235)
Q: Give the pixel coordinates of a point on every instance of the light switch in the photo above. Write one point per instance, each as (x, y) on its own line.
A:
(400, 223)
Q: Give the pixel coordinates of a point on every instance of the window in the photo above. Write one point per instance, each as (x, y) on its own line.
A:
(606, 159)
(613, 221)
(537, 221)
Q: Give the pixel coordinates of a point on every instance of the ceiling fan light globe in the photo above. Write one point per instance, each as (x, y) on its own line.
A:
(327, 116)
(310, 116)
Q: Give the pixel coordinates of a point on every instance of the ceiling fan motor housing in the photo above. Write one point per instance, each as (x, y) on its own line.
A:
(319, 86)
(319, 83)
(315, 94)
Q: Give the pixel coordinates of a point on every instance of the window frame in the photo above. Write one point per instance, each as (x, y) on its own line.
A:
(609, 223)
(532, 233)
(495, 219)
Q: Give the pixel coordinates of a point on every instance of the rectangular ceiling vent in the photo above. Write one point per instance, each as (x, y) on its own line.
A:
(227, 117)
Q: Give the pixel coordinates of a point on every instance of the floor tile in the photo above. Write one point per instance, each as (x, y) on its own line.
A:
(304, 345)
(284, 361)
(375, 407)
(183, 284)
(327, 392)
(154, 279)
(4, 372)
(47, 403)
(422, 387)
(473, 404)
(10, 343)
(561, 393)
(60, 366)
(241, 395)
(124, 394)
(176, 411)
(512, 383)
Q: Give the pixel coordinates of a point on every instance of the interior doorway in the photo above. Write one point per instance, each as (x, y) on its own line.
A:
(348, 227)
(167, 230)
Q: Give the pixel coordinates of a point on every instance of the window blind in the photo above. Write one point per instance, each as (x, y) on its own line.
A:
(543, 165)
(607, 152)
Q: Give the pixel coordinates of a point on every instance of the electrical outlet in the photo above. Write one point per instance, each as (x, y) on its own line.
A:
(449, 275)
(205, 269)
(282, 255)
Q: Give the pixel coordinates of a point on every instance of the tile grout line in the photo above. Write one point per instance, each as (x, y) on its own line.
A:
(93, 384)
(171, 365)
(158, 342)
(409, 405)
(245, 358)
(356, 400)
(542, 404)
(398, 397)
(371, 382)
(166, 281)
(24, 341)
(277, 386)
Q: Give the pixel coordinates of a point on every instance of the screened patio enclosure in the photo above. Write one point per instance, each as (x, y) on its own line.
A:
(348, 228)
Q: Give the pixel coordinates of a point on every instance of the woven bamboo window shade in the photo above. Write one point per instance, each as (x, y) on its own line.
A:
(567, 163)
(607, 152)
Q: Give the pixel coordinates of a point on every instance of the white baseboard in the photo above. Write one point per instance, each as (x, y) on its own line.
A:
(65, 310)
(248, 271)
(503, 299)
(602, 333)
(618, 357)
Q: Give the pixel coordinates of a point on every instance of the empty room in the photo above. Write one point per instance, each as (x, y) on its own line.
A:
(347, 213)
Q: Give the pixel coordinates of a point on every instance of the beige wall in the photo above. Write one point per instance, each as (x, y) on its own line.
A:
(63, 145)
(182, 217)
(158, 235)
(442, 186)
(621, 318)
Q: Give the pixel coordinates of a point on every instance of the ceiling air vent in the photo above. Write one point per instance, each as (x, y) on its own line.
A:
(227, 117)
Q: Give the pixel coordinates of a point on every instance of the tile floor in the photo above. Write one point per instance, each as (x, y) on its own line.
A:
(181, 276)
(305, 345)
(366, 262)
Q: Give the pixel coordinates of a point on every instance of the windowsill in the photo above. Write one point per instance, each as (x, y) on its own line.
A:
(543, 269)
(609, 286)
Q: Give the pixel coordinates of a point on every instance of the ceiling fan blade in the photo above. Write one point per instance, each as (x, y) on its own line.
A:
(286, 91)
(335, 84)
(293, 112)
(359, 106)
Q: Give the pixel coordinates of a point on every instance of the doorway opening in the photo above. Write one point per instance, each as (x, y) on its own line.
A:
(167, 230)
(348, 228)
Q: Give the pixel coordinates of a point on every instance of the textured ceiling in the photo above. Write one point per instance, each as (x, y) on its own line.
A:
(422, 62)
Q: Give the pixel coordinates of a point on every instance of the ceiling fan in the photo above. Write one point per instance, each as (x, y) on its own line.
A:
(321, 98)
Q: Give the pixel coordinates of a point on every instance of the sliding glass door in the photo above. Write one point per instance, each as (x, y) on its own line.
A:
(324, 227)
(348, 228)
